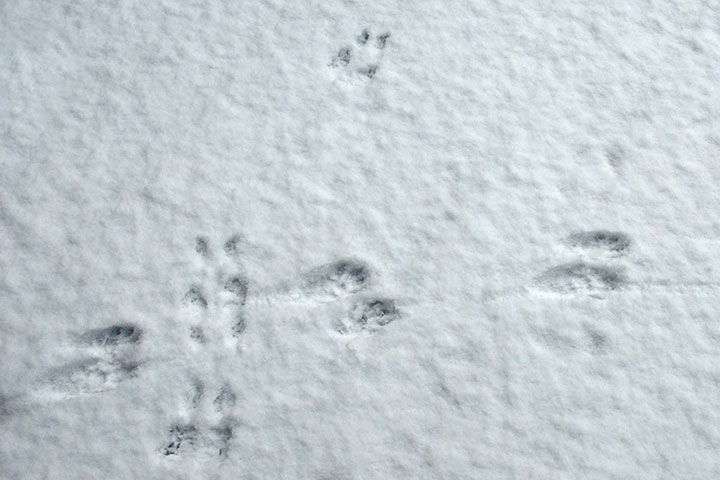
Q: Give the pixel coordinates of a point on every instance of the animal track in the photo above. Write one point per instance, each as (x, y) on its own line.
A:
(189, 436)
(369, 71)
(239, 325)
(225, 399)
(180, 436)
(342, 277)
(91, 375)
(223, 433)
(579, 276)
(369, 315)
(195, 296)
(382, 40)
(344, 280)
(595, 278)
(196, 394)
(342, 59)
(222, 295)
(114, 335)
(231, 245)
(217, 294)
(108, 361)
(238, 285)
(363, 61)
(201, 246)
(600, 239)
(197, 334)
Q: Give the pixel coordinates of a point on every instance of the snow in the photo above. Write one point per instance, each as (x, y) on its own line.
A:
(483, 247)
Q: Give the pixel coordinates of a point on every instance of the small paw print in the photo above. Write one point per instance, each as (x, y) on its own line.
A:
(363, 59)
(212, 305)
(199, 430)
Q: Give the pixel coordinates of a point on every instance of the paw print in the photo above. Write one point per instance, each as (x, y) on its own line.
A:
(347, 281)
(368, 316)
(593, 278)
(213, 306)
(102, 359)
(200, 428)
(363, 59)
(212, 309)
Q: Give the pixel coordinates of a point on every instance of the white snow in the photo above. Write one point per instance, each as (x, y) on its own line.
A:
(416, 223)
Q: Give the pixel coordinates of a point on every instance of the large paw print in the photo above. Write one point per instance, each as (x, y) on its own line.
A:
(362, 59)
(103, 358)
(580, 276)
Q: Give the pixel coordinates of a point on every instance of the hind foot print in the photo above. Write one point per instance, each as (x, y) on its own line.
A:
(616, 242)
(108, 362)
(114, 335)
(88, 376)
(369, 316)
(342, 277)
(579, 276)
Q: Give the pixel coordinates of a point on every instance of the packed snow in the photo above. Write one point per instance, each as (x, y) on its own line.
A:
(359, 240)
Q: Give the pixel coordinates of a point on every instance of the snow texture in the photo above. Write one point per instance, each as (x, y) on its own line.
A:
(359, 240)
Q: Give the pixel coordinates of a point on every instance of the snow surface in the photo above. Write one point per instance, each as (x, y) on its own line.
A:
(359, 240)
